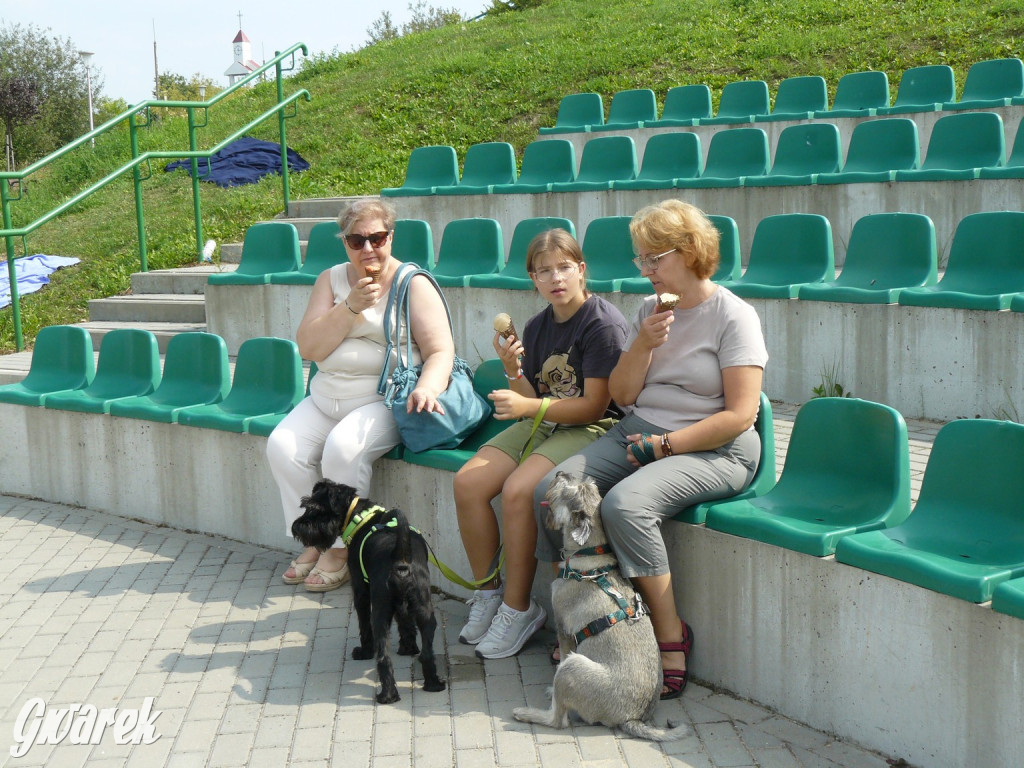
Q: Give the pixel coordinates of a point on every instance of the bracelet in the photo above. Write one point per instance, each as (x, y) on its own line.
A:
(517, 377)
(350, 308)
(666, 446)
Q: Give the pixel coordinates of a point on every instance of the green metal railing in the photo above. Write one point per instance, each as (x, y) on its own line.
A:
(194, 154)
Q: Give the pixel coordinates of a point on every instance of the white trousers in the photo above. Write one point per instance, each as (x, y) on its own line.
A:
(335, 439)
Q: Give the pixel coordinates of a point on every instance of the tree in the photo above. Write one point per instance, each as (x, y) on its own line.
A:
(58, 76)
(423, 17)
(19, 103)
(504, 6)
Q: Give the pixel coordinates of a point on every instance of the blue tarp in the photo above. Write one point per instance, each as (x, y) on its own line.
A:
(244, 161)
(31, 272)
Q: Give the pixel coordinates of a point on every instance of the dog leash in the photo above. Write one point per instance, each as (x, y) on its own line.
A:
(599, 576)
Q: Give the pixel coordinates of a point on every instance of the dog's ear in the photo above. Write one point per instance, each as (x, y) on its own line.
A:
(341, 496)
(581, 532)
(585, 506)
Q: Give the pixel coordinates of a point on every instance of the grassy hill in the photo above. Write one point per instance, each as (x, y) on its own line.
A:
(497, 79)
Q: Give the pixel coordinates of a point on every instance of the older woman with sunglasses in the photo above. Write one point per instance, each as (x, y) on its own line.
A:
(343, 426)
(689, 381)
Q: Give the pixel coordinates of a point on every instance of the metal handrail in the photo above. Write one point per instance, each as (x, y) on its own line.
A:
(9, 232)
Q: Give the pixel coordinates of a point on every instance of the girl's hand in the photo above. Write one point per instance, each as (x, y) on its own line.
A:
(509, 353)
(508, 405)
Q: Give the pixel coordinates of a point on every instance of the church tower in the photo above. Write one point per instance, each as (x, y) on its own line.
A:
(243, 63)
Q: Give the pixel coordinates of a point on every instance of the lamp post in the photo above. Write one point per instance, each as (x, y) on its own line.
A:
(202, 93)
(87, 59)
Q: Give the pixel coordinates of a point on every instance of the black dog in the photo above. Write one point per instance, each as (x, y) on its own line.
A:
(390, 579)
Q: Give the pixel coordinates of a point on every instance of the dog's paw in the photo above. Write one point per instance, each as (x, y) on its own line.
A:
(359, 653)
(408, 650)
(388, 696)
(433, 686)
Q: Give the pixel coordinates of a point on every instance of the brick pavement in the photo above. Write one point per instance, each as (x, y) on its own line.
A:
(246, 671)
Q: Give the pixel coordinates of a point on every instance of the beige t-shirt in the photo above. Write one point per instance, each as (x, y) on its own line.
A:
(352, 370)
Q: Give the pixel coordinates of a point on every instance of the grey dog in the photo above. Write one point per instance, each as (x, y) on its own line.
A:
(613, 675)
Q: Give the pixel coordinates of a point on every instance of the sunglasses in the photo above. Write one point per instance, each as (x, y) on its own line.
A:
(357, 242)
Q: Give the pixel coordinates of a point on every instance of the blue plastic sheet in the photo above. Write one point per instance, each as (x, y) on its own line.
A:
(31, 272)
(244, 161)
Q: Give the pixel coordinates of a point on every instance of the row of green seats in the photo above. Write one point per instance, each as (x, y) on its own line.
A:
(195, 387)
(845, 490)
(928, 88)
(962, 146)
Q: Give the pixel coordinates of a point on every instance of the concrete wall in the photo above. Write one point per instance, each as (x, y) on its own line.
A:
(891, 666)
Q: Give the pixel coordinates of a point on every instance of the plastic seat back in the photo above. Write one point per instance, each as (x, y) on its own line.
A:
(802, 152)
(730, 262)
(879, 148)
(608, 251)
(577, 111)
(605, 159)
(630, 109)
(685, 105)
(787, 251)
(62, 360)
(799, 98)
(469, 247)
(488, 163)
(265, 424)
(196, 372)
(969, 140)
(667, 157)
(737, 153)
(513, 274)
(742, 101)
(859, 93)
(545, 162)
(268, 247)
(428, 167)
(414, 242)
(991, 83)
(886, 253)
(129, 365)
(847, 470)
(966, 534)
(924, 88)
(324, 249)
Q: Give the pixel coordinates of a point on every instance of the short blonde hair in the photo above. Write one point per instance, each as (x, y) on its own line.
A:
(363, 210)
(673, 224)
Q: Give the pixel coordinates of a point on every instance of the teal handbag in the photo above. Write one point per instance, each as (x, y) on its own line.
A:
(464, 408)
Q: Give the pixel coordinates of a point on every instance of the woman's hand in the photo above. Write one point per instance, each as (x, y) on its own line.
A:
(423, 398)
(645, 444)
(509, 405)
(654, 329)
(365, 294)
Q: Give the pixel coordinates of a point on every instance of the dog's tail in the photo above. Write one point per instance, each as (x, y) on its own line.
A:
(641, 730)
(402, 557)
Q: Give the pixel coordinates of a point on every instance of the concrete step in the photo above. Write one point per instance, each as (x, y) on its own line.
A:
(163, 331)
(186, 280)
(150, 307)
(321, 207)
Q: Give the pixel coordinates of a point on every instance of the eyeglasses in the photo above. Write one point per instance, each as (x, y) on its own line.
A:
(547, 274)
(357, 242)
(650, 262)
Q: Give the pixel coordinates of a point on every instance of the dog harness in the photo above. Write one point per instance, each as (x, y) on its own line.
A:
(599, 576)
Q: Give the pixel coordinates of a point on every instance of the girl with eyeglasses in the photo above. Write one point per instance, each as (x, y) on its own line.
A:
(558, 390)
(343, 426)
(690, 382)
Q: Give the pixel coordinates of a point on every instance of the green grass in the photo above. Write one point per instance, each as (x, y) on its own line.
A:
(498, 79)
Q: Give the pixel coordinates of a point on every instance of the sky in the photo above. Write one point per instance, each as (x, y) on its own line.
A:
(195, 35)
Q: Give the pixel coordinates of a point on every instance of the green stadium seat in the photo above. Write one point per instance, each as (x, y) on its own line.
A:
(966, 533)
(729, 264)
(267, 380)
(960, 146)
(605, 159)
(764, 476)
(513, 275)
(196, 372)
(985, 268)
(878, 149)
(428, 168)
(630, 110)
(488, 376)
(545, 162)
(847, 470)
(1014, 168)
(667, 157)
(324, 249)
(1008, 598)
(887, 252)
(802, 152)
(413, 241)
(788, 250)
(798, 98)
(129, 365)
(469, 247)
(742, 101)
(685, 105)
(1017, 303)
(923, 89)
(264, 425)
(269, 247)
(732, 155)
(487, 164)
(858, 94)
(62, 361)
(608, 251)
(576, 113)
(989, 84)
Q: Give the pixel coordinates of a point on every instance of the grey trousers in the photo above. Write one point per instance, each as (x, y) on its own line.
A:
(637, 501)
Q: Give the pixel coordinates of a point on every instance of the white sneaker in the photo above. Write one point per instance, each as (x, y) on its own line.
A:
(510, 630)
(482, 607)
